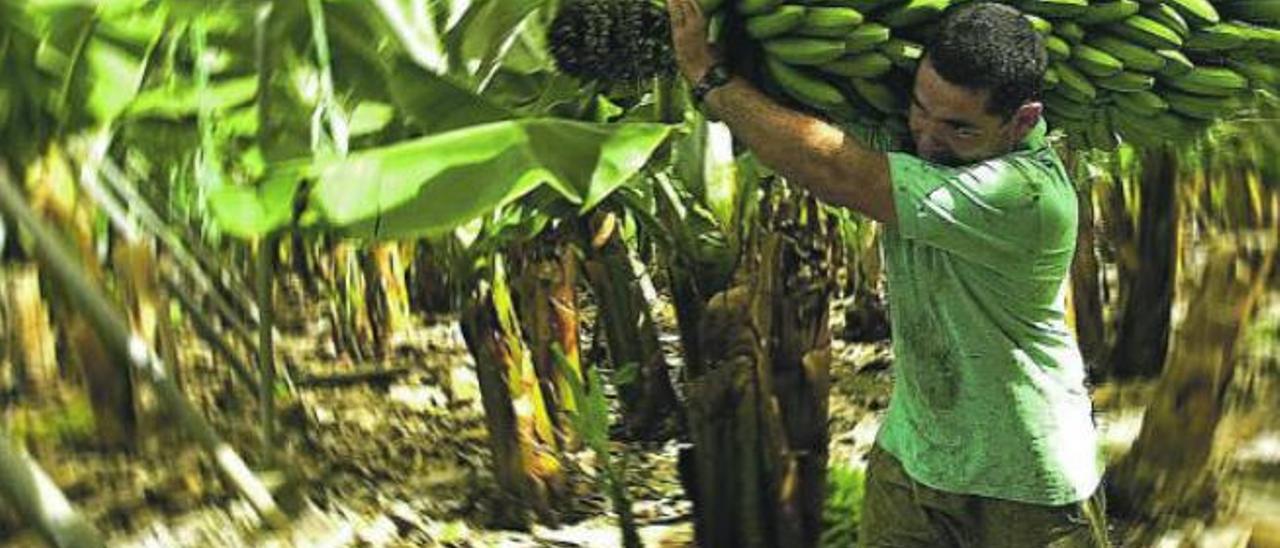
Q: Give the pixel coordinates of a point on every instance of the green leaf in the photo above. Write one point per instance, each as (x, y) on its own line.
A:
(370, 117)
(626, 374)
(174, 103)
(431, 185)
(252, 211)
(592, 419)
(485, 33)
(435, 103)
(114, 81)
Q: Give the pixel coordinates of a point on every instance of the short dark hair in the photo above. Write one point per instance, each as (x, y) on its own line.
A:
(986, 46)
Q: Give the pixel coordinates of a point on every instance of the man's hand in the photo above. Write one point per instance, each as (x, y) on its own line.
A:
(694, 55)
(804, 149)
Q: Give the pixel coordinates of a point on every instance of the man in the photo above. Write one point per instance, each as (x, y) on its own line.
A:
(989, 439)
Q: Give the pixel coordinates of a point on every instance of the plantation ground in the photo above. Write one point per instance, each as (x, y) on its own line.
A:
(403, 461)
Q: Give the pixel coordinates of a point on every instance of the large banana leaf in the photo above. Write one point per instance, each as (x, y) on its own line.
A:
(431, 185)
(486, 31)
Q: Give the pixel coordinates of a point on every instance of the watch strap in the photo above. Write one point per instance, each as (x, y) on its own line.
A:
(718, 75)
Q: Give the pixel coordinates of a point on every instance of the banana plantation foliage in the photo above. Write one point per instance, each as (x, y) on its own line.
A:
(484, 272)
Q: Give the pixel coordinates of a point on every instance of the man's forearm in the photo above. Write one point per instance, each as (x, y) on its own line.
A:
(806, 150)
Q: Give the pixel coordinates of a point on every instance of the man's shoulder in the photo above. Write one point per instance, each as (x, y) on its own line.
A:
(1015, 180)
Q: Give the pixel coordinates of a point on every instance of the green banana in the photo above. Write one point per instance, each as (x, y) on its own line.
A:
(1175, 62)
(1131, 55)
(1075, 133)
(1095, 62)
(1066, 9)
(1141, 103)
(866, 37)
(1259, 12)
(1058, 49)
(1209, 80)
(904, 53)
(780, 21)
(1261, 74)
(1064, 107)
(863, 6)
(1040, 24)
(1198, 13)
(1163, 126)
(804, 51)
(1073, 93)
(1072, 82)
(1146, 32)
(1112, 11)
(1126, 81)
(1099, 133)
(1202, 107)
(878, 95)
(1073, 32)
(1265, 40)
(863, 65)
(1169, 17)
(1173, 124)
(1219, 37)
(914, 12)
(830, 22)
(810, 90)
(757, 7)
(1050, 79)
(1133, 129)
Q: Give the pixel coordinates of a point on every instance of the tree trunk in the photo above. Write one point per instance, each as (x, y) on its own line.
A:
(265, 291)
(109, 329)
(352, 326)
(147, 308)
(866, 319)
(1142, 336)
(548, 304)
(377, 307)
(1086, 293)
(650, 409)
(758, 412)
(54, 197)
(429, 277)
(30, 348)
(301, 262)
(1179, 455)
(520, 436)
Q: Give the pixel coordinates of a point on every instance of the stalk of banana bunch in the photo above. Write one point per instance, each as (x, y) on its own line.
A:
(1143, 72)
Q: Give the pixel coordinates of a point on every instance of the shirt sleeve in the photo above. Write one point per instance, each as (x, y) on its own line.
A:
(985, 213)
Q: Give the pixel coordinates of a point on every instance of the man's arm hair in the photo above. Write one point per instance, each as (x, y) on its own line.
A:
(806, 150)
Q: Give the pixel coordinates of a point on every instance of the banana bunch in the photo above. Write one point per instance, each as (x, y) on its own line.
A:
(1138, 71)
(1153, 71)
(830, 57)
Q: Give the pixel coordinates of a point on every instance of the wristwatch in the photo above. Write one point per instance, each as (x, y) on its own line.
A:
(718, 75)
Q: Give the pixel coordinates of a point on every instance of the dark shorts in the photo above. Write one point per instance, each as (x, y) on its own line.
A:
(899, 512)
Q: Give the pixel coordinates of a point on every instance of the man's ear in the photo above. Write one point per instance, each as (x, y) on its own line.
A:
(1025, 119)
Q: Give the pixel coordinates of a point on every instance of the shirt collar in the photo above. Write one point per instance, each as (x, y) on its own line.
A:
(1036, 137)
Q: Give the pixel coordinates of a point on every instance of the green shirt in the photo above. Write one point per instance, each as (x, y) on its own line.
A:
(989, 396)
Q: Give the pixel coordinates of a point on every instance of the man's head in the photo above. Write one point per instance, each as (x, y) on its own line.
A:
(977, 89)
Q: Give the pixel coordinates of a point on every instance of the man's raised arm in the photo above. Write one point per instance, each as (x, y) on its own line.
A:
(805, 149)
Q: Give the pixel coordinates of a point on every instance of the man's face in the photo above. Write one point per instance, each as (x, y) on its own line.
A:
(951, 125)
